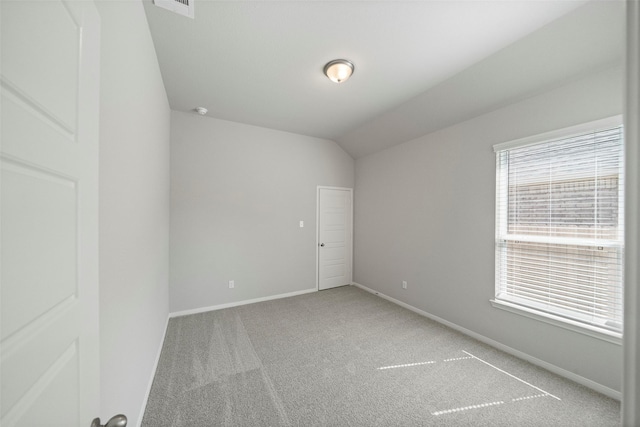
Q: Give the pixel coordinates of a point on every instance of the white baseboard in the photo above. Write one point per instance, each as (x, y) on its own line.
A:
(238, 303)
(153, 374)
(614, 394)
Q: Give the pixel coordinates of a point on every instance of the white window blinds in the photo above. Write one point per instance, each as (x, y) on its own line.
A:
(559, 228)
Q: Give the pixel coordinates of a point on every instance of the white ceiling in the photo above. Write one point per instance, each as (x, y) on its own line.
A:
(419, 65)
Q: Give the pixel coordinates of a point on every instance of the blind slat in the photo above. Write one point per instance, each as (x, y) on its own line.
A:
(559, 227)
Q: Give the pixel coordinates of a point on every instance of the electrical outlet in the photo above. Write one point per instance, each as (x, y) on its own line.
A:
(232, 284)
(404, 284)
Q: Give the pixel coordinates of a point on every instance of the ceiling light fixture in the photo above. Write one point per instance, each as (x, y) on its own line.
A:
(338, 70)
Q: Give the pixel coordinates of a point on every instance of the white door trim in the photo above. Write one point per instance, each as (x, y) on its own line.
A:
(631, 343)
(350, 190)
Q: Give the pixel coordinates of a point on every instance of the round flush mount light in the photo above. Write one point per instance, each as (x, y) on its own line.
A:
(201, 110)
(338, 70)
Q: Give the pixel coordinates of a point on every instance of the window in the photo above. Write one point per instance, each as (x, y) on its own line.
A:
(560, 227)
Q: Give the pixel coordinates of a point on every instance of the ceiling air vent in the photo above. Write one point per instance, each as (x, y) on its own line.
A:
(181, 7)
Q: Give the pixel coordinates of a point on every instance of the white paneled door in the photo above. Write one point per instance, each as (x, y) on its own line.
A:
(335, 217)
(49, 72)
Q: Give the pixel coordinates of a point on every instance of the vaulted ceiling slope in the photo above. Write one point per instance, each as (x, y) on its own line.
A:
(419, 65)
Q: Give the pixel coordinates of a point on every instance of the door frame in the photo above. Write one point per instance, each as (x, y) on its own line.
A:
(350, 249)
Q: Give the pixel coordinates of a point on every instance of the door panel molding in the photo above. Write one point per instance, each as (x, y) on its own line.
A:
(49, 333)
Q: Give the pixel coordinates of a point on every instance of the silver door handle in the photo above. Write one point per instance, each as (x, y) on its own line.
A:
(117, 421)
(322, 245)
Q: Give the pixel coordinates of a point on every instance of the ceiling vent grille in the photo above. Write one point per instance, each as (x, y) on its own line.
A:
(181, 7)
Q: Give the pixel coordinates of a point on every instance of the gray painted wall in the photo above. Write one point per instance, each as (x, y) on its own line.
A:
(134, 208)
(424, 213)
(238, 193)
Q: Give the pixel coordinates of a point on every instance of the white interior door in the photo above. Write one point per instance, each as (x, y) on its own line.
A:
(334, 237)
(49, 77)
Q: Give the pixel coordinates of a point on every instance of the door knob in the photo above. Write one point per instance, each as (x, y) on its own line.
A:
(322, 245)
(117, 421)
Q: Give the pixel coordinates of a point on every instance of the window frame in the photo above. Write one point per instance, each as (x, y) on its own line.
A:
(528, 311)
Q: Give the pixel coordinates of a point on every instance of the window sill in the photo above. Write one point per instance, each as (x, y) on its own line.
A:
(592, 331)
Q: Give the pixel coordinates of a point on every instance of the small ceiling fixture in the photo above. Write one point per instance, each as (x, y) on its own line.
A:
(201, 110)
(338, 70)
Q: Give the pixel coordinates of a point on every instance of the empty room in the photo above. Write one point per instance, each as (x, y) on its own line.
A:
(319, 213)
